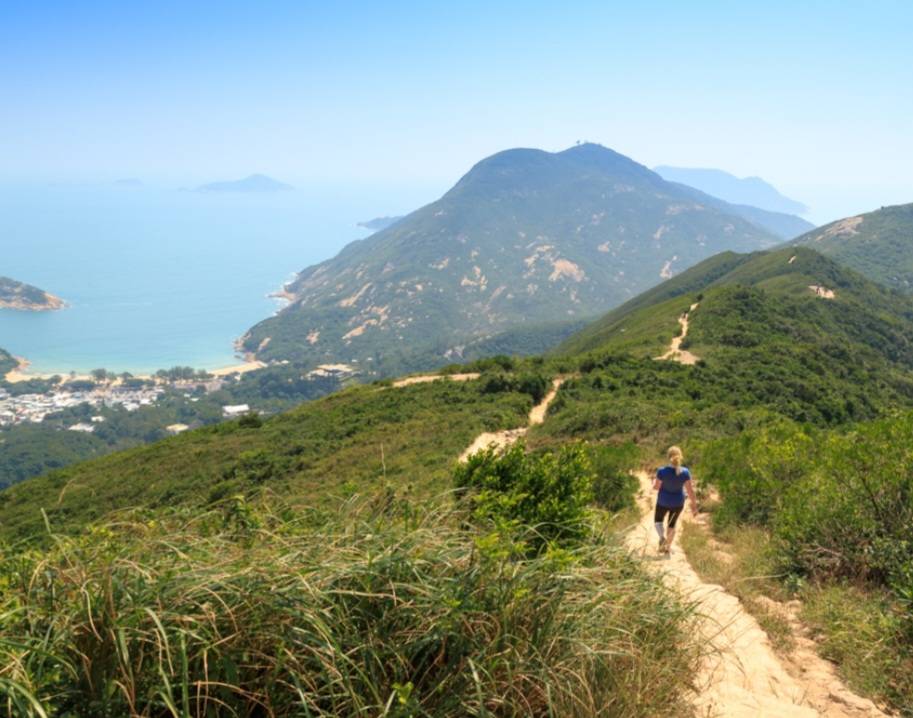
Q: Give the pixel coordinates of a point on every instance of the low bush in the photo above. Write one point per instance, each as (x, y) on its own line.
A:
(534, 384)
(546, 492)
(614, 487)
(838, 506)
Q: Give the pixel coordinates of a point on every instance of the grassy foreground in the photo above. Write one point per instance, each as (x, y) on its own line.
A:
(379, 609)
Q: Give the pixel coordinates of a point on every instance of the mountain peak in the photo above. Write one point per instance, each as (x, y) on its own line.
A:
(525, 238)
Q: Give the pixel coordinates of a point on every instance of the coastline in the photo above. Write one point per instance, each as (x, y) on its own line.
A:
(51, 304)
(21, 372)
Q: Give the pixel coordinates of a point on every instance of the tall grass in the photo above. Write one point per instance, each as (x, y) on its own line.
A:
(365, 613)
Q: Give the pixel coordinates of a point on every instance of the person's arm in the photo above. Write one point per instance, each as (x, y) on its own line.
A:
(657, 484)
(692, 497)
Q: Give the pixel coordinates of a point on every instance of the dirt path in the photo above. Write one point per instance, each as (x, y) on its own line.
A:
(502, 439)
(741, 675)
(675, 352)
(425, 378)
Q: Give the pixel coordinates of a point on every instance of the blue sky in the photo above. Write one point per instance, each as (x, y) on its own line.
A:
(816, 97)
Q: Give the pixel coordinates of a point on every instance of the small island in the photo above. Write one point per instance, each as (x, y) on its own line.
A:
(253, 183)
(25, 297)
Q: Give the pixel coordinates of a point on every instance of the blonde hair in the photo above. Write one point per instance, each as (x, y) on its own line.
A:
(675, 458)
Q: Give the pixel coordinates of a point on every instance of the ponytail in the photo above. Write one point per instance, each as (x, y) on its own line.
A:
(675, 458)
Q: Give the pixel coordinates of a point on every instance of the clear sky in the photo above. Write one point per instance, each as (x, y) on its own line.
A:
(815, 97)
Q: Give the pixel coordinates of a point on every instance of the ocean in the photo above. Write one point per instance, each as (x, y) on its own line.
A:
(161, 277)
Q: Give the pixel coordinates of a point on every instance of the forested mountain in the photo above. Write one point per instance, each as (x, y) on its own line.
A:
(525, 237)
(878, 244)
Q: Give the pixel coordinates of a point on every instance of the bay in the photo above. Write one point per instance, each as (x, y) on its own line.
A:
(160, 277)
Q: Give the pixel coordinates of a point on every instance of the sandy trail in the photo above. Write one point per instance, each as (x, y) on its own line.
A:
(741, 674)
(426, 378)
(675, 352)
(502, 439)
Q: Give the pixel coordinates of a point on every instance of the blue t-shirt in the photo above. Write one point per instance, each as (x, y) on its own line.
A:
(672, 490)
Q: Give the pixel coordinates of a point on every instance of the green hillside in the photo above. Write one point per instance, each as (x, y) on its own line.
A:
(347, 519)
(357, 439)
(769, 347)
(878, 244)
(526, 237)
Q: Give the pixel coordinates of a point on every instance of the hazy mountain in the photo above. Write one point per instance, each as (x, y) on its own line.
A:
(752, 191)
(18, 295)
(525, 237)
(379, 223)
(785, 226)
(253, 183)
(878, 244)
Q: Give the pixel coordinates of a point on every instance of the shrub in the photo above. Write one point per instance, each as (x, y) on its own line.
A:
(614, 487)
(534, 384)
(250, 421)
(547, 492)
(256, 466)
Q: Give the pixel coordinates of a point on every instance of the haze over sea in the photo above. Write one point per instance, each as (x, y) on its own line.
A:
(160, 277)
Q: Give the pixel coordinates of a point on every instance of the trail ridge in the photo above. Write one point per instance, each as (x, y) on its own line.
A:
(675, 352)
(741, 675)
(503, 439)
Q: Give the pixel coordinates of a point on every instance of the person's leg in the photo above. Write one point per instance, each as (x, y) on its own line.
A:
(658, 523)
(673, 520)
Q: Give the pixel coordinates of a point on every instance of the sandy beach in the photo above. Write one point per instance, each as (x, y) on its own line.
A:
(247, 366)
(21, 372)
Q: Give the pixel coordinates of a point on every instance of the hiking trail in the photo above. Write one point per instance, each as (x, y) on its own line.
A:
(675, 352)
(426, 378)
(741, 675)
(503, 439)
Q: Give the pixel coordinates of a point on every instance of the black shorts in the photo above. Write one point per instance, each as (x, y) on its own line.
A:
(661, 511)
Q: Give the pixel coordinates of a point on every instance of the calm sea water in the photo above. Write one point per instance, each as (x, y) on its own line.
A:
(161, 277)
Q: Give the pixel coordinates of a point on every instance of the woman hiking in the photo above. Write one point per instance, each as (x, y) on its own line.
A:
(672, 482)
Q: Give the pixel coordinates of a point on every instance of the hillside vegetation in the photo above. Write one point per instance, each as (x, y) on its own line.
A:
(356, 440)
(337, 559)
(877, 244)
(526, 237)
(837, 506)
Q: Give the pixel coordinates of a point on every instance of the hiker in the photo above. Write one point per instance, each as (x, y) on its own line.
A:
(672, 481)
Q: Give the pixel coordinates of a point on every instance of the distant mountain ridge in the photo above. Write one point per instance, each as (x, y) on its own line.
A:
(877, 244)
(751, 191)
(525, 237)
(252, 183)
(785, 226)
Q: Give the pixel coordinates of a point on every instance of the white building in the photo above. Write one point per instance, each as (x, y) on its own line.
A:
(84, 428)
(235, 410)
